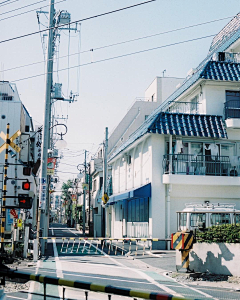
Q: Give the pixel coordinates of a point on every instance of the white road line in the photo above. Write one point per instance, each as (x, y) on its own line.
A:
(32, 285)
(72, 232)
(152, 254)
(144, 275)
(14, 297)
(188, 287)
(58, 266)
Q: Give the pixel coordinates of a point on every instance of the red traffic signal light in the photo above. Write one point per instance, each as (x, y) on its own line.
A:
(26, 186)
(24, 201)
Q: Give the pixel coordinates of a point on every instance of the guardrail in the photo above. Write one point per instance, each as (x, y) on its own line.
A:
(122, 245)
(89, 286)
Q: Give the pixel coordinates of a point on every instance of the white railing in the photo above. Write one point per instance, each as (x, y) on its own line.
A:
(137, 229)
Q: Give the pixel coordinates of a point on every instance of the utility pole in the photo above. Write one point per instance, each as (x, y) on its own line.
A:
(89, 197)
(84, 193)
(105, 170)
(43, 197)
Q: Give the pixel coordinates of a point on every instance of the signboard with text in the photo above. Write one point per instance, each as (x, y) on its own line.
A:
(51, 163)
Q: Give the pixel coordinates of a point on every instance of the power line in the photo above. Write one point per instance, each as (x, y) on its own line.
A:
(25, 12)
(7, 12)
(120, 56)
(119, 43)
(8, 2)
(74, 22)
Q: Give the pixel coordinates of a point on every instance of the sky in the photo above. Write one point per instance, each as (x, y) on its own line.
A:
(106, 89)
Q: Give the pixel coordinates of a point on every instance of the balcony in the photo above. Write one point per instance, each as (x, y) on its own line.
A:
(232, 113)
(177, 169)
(189, 164)
(184, 107)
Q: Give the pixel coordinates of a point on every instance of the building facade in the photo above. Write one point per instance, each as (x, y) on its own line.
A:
(186, 151)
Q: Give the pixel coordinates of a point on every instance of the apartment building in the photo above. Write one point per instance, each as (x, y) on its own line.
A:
(186, 151)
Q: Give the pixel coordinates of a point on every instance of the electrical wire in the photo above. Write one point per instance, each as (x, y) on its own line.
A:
(7, 12)
(119, 43)
(28, 11)
(120, 56)
(8, 2)
(74, 22)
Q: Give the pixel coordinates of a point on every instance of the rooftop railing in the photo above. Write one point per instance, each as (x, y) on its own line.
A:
(189, 164)
(184, 107)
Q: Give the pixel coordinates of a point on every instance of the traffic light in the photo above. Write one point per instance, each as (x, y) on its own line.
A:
(24, 201)
(26, 185)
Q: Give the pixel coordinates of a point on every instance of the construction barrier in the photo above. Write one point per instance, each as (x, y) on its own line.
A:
(125, 246)
(183, 243)
(90, 286)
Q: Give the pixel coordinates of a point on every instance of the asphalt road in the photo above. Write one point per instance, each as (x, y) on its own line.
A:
(85, 261)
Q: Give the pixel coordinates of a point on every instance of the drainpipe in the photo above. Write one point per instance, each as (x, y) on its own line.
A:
(169, 188)
(170, 154)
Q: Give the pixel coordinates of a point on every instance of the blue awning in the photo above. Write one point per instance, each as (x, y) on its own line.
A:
(141, 192)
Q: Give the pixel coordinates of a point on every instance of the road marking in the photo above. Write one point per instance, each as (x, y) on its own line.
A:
(58, 266)
(72, 232)
(188, 287)
(152, 254)
(32, 285)
(144, 275)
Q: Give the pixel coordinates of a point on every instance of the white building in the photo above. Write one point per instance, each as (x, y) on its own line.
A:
(186, 151)
(13, 111)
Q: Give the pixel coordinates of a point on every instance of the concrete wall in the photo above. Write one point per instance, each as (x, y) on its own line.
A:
(216, 258)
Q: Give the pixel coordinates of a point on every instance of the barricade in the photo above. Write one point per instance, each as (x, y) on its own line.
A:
(182, 242)
(122, 246)
(89, 286)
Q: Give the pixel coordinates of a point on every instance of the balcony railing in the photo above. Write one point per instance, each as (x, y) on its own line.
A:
(184, 107)
(189, 164)
(232, 109)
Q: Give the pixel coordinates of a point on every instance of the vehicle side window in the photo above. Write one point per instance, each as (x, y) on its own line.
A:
(219, 219)
(183, 219)
(198, 220)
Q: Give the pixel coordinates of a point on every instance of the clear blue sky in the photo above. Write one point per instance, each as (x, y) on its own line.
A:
(107, 89)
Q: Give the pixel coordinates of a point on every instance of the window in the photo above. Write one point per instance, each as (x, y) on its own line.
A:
(232, 105)
(219, 219)
(236, 218)
(198, 220)
(94, 185)
(146, 116)
(138, 210)
(183, 219)
(194, 105)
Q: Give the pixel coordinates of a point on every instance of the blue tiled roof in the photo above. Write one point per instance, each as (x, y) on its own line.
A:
(222, 44)
(216, 70)
(189, 125)
(208, 126)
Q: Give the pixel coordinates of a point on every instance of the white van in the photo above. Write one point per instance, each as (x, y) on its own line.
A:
(199, 216)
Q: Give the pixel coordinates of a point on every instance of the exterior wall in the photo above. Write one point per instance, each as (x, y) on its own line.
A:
(161, 88)
(130, 123)
(215, 258)
(157, 205)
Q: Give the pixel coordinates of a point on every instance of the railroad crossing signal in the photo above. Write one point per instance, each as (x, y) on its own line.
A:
(10, 141)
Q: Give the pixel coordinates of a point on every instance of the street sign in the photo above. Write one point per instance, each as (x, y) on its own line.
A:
(51, 165)
(105, 198)
(12, 138)
(19, 223)
(14, 213)
(43, 193)
(85, 186)
(74, 197)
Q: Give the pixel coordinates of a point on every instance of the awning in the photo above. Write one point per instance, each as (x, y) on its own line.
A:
(141, 192)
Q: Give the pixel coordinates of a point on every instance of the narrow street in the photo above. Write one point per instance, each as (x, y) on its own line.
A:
(87, 262)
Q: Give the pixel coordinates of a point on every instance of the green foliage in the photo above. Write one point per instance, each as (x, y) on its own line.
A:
(65, 187)
(219, 234)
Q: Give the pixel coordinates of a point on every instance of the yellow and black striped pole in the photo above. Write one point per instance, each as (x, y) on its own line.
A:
(4, 191)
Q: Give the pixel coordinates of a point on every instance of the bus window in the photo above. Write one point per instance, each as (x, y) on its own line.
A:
(236, 218)
(198, 220)
(183, 219)
(219, 219)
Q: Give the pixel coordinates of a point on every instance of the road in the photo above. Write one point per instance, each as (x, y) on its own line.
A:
(87, 262)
